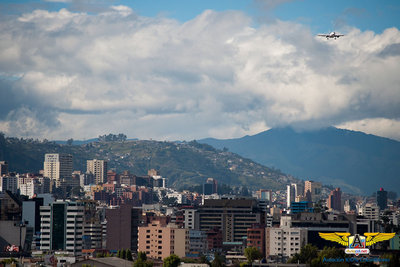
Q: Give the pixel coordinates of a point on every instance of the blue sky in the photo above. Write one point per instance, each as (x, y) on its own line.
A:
(183, 70)
(320, 16)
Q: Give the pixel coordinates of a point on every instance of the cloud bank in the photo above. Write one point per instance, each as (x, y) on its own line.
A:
(72, 74)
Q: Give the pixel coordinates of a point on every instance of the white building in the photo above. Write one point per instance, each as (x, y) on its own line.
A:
(98, 168)
(190, 218)
(180, 198)
(61, 227)
(284, 241)
(370, 211)
(291, 193)
(57, 167)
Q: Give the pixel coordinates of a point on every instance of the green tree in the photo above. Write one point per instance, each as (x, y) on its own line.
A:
(306, 255)
(142, 261)
(219, 260)
(129, 255)
(171, 261)
(252, 254)
(119, 254)
(123, 254)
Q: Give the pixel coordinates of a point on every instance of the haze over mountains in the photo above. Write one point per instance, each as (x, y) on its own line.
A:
(355, 161)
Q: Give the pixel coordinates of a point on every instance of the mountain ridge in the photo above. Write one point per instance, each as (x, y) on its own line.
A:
(345, 158)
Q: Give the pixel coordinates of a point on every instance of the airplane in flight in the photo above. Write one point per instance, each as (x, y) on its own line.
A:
(331, 35)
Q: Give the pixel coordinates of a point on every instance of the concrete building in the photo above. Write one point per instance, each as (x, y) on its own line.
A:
(3, 168)
(232, 216)
(190, 219)
(314, 189)
(256, 237)
(381, 199)
(320, 222)
(61, 227)
(57, 167)
(122, 227)
(197, 243)
(335, 200)
(210, 187)
(285, 241)
(291, 193)
(160, 240)
(9, 183)
(370, 211)
(99, 169)
(264, 198)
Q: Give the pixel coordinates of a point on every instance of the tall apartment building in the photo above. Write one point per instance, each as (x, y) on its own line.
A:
(99, 169)
(61, 227)
(231, 216)
(314, 189)
(370, 211)
(57, 167)
(335, 200)
(122, 227)
(197, 243)
(256, 237)
(190, 218)
(3, 168)
(291, 193)
(9, 183)
(210, 187)
(160, 240)
(381, 199)
(285, 241)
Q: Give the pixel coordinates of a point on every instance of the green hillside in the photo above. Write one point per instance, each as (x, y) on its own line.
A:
(184, 164)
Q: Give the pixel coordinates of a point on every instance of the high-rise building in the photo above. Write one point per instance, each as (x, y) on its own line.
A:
(285, 241)
(3, 168)
(335, 200)
(61, 227)
(58, 167)
(231, 216)
(210, 187)
(370, 211)
(256, 237)
(291, 193)
(9, 183)
(381, 199)
(159, 240)
(122, 227)
(314, 189)
(99, 169)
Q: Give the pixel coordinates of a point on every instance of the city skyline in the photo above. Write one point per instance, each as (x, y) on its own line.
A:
(73, 69)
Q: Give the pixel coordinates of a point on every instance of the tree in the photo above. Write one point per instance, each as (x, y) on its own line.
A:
(142, 261)
(129, 255)
(306, 255)
(218, 261)
(70, 141)
(171, 261)
(123, 254)
(329, 253)
(252, 254)
(119, 254)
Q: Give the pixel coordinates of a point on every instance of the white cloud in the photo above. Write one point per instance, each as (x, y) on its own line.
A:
(216, 75)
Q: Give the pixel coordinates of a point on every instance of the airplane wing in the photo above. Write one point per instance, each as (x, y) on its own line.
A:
(324, 35)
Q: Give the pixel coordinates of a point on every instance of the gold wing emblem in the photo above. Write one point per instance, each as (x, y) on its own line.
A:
(341, 238)
(372, 238)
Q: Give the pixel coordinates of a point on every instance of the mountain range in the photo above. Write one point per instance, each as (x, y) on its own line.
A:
(185, 164)
(355, 161)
